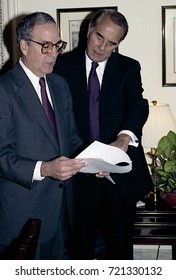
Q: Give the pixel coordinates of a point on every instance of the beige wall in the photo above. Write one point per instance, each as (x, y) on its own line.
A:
(143, 42)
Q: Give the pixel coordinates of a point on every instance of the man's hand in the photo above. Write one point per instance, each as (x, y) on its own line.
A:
(122, 142)
(61, 168)
(102, 174)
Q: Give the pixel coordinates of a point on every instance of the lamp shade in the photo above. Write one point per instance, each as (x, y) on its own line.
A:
(159, 123)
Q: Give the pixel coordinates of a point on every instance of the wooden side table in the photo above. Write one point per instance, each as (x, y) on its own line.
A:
(155, 225)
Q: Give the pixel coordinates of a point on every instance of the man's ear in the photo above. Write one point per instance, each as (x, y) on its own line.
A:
(88, 31)
(23, 46)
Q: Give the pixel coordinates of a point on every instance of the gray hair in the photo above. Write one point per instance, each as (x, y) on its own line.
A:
(25, 27)
(115, 16)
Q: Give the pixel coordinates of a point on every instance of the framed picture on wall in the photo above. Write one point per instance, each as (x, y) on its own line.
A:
(169, 45)
(73, 24)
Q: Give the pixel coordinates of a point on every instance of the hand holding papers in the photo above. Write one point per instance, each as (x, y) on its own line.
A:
(103, 158)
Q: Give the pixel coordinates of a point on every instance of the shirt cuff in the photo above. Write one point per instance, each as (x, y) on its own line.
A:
(37, 175)
(134, 140)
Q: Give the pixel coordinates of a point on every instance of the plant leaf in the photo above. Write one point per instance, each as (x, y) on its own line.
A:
(170, 166)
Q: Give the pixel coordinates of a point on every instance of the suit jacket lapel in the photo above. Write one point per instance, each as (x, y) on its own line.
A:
(80, 73)
(32, 102)
(111, 75)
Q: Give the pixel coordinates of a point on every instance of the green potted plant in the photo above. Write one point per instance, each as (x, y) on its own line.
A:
(163, 168)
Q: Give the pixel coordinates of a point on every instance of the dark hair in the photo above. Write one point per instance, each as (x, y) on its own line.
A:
(115, 16)
(25, 27)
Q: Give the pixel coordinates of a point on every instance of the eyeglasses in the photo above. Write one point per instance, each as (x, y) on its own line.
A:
(47, 47)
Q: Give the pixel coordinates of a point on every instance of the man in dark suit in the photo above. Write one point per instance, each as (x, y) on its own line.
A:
(122, 114)
(35, 168)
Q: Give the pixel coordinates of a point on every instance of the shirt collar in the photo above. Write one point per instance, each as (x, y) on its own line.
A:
(32, 77)
(89, 64)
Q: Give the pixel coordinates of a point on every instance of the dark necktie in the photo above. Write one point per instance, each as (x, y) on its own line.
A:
(47, 106)
(94, 92)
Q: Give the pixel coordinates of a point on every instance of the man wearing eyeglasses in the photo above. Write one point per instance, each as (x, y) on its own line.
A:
(119, 122)
(35, 145)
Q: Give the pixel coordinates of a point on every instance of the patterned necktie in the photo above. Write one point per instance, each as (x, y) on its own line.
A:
(47, 106)
(94, 92)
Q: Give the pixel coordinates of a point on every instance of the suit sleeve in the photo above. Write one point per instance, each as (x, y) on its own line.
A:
(12, 166)
(137, 108)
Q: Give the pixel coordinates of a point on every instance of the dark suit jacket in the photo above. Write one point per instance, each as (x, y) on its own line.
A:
(25, 138)
(122, 106)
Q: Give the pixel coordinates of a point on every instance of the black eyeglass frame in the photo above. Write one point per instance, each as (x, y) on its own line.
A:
(59, 50)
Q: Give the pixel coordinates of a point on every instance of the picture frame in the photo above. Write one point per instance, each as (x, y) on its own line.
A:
(169, 46)
(73, 25)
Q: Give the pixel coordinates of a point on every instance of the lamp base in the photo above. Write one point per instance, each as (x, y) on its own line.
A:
(153, 198)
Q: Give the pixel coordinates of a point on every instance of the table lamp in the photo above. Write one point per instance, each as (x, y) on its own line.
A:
(159, 123)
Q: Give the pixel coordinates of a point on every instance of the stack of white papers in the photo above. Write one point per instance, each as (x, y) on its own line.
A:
(104, 158)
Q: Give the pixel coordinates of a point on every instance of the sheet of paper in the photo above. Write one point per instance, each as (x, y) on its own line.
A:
(101, 157)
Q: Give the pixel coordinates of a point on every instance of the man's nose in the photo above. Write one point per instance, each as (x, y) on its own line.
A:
(53, 52)
(103, 45)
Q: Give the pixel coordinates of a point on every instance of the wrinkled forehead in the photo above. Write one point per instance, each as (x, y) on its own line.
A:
(107, 28)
